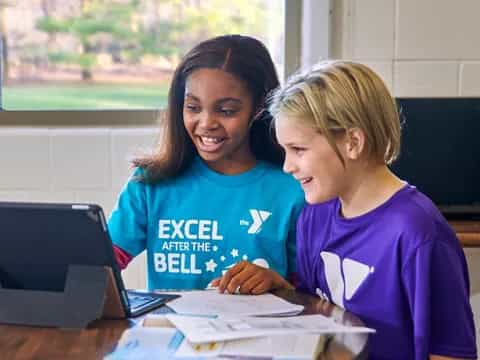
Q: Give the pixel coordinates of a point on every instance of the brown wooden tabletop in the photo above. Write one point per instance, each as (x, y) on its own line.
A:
(468, 232)
(101, 337)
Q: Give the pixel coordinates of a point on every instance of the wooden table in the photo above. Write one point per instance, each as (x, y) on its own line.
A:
(468, 232)
(99, 339)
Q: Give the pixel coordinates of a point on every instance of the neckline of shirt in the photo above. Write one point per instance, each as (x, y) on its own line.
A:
(372, 213)
(246, 177)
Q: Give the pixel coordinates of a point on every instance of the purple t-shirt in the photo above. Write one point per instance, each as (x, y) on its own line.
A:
(399, 267)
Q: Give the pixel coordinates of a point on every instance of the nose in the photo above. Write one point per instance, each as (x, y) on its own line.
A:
(207, 121)
(288, 165)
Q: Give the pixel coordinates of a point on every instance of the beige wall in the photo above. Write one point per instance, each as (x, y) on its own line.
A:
(420, 47)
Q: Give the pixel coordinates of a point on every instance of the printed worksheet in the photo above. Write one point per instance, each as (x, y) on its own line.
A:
(203, 329)
(212, 303)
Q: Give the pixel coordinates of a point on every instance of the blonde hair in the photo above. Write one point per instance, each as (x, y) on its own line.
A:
(336, 96)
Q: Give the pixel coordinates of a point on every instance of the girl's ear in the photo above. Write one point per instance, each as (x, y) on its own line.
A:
(355, 143)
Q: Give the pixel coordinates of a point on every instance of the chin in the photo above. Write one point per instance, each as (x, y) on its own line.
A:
(210, 156)
(316, 198)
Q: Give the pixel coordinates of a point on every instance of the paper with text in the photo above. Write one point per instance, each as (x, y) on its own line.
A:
(213, 303)
(203, 329)
(291, 346)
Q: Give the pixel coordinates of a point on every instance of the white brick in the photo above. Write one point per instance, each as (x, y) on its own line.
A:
(81, 159)
(51, 196)
(373, 29)
(135, 275)
(470, 79)
(437, 29)
(24, 159)
(431, 79)
(13, 196)
(126, 144)
(384, 70)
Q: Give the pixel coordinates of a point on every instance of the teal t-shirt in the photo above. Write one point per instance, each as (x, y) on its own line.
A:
(198, 225)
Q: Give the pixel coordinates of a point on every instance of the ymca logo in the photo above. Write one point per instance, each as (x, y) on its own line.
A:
(258, 217)
(354, 274)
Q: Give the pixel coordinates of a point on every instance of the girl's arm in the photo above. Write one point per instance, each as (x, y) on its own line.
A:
(127, 223)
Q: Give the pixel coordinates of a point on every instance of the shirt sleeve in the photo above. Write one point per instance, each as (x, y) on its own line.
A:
(436, 283)
(127, 224)
(123, 258)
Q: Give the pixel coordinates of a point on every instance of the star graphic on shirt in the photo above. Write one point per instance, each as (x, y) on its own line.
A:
(244, 257)
(234, 253)
(210, 265)
(215, 248)
(222, 258)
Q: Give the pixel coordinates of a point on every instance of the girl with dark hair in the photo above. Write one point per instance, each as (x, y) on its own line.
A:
(212, 199)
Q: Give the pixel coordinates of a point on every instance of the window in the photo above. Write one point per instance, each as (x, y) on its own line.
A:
(115, 54)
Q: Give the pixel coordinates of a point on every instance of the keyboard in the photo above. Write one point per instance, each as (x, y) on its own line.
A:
(138, 300)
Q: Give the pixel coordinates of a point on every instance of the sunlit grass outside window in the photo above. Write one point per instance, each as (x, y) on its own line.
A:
(93, 96)
(115, 54)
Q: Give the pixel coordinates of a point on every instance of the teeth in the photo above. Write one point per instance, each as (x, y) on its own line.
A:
(303, 181)
(211, 140)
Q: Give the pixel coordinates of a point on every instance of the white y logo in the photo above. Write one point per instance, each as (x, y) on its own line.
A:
(354, 274)
(259, 217)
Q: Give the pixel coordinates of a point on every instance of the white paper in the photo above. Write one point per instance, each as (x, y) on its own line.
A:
(298, 347)
(212, 303)
(203, 329)
(291, 346)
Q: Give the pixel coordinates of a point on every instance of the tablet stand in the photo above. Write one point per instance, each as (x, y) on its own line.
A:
(81, 302)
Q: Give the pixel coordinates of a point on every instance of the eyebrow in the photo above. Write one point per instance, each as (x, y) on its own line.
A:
(295, 143)
(291, 144)
(221, 101)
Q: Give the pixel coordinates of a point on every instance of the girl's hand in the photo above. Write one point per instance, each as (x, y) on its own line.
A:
(248, 278)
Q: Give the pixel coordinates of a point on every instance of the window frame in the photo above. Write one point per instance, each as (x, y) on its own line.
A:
(296, 46)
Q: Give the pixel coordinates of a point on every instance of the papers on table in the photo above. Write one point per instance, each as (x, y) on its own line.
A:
(305, 346)
(302, 346)
(142, 343)
(212, 303)
(204, 329)
(213, 325)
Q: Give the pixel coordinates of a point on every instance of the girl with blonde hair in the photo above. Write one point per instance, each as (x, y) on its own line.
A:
(368, 241)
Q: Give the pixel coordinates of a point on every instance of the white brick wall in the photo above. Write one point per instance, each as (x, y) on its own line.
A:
(470, 79)
(72, 165)
(373, 29)
(419, 47)
(426, 78)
